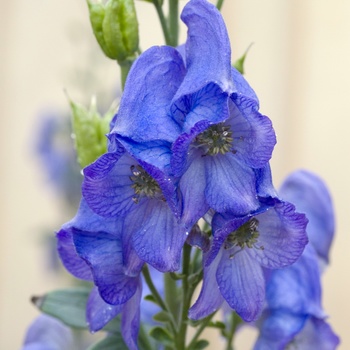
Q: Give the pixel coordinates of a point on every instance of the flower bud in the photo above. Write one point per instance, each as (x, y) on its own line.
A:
(115, 27)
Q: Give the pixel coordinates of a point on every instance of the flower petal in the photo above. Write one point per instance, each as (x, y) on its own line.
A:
(103, 252)
(282, 236)
(210, 298)
(131, 319)
(208, 52)
(230, 186)
(304, 189)
(98, 312)
(242, 284)
(157, 237)
(107, 185)
(151, 84)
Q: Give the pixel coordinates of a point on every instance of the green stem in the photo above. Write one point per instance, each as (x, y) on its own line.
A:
(163, 22)
(199, 331)
(174, 21)
(219, 4)
(171, 295)
(125, 68)
(186, 299)
(143, 339)
(234, 322)
(156, 295)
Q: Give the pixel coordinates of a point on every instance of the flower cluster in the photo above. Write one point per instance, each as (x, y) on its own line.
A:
(188, 143)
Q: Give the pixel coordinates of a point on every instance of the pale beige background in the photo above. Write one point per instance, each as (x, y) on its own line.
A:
(298, 65)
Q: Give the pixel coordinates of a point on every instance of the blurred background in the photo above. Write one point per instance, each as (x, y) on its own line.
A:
(298, 66)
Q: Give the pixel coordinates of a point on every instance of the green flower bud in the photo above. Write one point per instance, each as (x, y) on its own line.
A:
(115, 27)
(89, 130)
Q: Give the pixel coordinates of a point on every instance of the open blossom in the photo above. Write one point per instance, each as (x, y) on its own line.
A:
(294, 316)
(91, 248)
(271, 237)
(191, 115)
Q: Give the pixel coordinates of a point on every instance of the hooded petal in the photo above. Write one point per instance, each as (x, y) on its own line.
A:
(210, 298)
(157, 236)
(242, 87)
(152, 83)
(103, 253)
(310, 195)
(241, 283)
(208, 52)
(98, 312)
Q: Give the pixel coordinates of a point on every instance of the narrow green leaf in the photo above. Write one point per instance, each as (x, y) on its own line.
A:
(113, 342)
(162, 335)
(162, 316)
(239, 64)
(200, 344)
(67, 305)
(151, 298)
(217, 324)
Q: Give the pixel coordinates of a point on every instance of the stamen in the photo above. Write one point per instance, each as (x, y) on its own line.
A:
(245, 236)
(216, 139)
(144, 185)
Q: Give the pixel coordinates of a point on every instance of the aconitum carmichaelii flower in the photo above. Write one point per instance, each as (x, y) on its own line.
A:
(271, 237)
(119, 186)
(294, 315)
(91, 248)
(48, 333)
(193, 116)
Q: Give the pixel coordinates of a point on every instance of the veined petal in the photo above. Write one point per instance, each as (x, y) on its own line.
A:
(192, 186)
(131, 319)
(210, 298)
(253, 134)
(157, 236)
(316, 334)
(208, 52)
(103, 253)
(297, 288)
(151, 84)
(282, 236)
(69, 257)
(278, 330)
(264, 186)
(241, 283)
(304, 189)
(230, 186)
(98, 312)
(107, 185)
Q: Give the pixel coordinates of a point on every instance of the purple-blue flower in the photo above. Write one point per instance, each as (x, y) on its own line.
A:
(119, 187)
(293, 315)
(192, 116)
(48, 333)
(271, 237)
(91, 248)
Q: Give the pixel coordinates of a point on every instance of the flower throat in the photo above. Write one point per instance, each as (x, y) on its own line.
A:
(144, 185)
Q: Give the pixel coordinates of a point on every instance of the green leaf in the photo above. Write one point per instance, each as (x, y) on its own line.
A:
(239, 64)
(151, 298)
(113, 342)
(217, 324)
(200, 344)
(162, 335)
(162, 316)
(89, 130)
(67, 305)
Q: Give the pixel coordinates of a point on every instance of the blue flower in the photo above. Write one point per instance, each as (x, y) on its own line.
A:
(271, 237)
(119, 187)
(294, 315)
(192, 116)
(47, 333)
(91, 248)
(304, 189)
